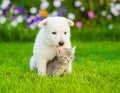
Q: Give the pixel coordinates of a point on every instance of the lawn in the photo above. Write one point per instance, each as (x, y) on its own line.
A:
(96, 69)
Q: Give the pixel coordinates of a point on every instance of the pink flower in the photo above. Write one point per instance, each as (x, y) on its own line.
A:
(78, 24)
(90, 14)
(113, 0)
(109, 17)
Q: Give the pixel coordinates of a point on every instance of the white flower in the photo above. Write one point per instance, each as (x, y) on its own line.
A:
(2, 19)
(110, 26)
(77, 3)
(117, 6)
(54, 13)
(103, 13)
(44, 5)
(30, 19)
(33, 10)
(114, 11)
(82, 9)
(14, 23)
(19, 19)
(5, 4)
(43, 0)
(57, 3)
(33, 26)
(16, 11)
(112, 4)
(71, 16)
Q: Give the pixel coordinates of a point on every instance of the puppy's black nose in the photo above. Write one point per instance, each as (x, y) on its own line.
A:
(61, 43)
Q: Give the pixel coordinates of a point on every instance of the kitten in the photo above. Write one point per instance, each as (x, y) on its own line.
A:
(60, 63)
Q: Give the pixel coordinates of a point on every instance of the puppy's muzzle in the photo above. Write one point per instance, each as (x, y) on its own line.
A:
(61, 43)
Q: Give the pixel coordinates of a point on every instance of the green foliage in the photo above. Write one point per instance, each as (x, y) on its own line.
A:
(19, 33)
(95, 32)
(95, 29)
(96, 69)
(90, 32)
(27, 4)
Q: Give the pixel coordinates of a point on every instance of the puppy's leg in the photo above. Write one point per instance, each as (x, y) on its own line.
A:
(32, 63)
(42, 66)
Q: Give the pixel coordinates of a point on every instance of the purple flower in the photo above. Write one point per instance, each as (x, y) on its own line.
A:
(10, 4)
(4, 11)
(30, 20)
(39, 18)
(64, 11)
(29, 23)
(21, 10)
(14, 17)
(25, 16)
(16, 10)
(59, 14)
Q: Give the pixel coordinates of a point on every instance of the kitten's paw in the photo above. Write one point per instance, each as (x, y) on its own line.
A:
(68, 71)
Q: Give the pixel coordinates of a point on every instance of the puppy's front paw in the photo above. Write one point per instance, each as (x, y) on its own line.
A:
(41, 74)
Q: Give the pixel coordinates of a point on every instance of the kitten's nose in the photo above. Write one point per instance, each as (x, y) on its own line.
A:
(61, 43)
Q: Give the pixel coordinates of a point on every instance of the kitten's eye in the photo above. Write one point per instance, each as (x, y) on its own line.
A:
(65, 57)
(54, 33)
(65, 32)
(71, 57)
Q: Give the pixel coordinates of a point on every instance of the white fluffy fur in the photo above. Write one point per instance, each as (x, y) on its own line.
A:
(46, 42)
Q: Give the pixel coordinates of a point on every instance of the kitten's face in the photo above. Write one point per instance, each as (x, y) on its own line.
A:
(65, 55)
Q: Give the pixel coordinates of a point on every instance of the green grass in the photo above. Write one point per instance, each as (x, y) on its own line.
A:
(96, 69)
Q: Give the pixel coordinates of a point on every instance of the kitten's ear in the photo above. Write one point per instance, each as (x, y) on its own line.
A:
(73, 49)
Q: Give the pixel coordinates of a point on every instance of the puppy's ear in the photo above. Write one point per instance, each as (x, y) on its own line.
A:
(44, 22)
(70, 22)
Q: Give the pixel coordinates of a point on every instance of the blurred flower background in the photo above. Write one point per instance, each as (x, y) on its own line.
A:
(94, 20)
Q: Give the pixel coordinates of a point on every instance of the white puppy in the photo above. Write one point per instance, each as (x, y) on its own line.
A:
(55, 32)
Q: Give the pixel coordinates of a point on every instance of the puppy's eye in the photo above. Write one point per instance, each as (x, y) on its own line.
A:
(65, 32)
(54, 33)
